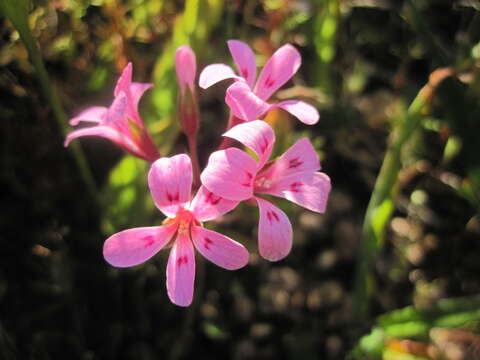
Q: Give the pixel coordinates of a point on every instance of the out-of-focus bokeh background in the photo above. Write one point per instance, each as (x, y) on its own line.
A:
(397, 83)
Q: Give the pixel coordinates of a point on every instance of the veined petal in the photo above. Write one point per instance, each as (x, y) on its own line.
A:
(300, 157)
(244, 59)
(137, 90)
(117, 112)
(307, 189)
(94, 114)
(283, 64)
(304, 112)
(135, 246)
(181, 271)
(110, 133)
(257, 135)
(186, 67)
(124, 81)
(219, 249)
(170, 182)
(230, 174)
(206, 205)
(244, 103)
(274, 231)
(214, 73)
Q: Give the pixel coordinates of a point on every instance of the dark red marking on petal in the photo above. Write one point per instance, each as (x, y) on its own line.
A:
(211, 199)
(269, 216)
(169, 197)
(294, 187)
(148, 240)
(269, 82)
(176, 197)
(272, 215)
(264, 144)
(207, 242)
(293, 163)
(249, 179)
(182, 260)
(245, 73)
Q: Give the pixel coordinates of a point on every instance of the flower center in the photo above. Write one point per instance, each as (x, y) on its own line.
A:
(263, 183)
(185, 219)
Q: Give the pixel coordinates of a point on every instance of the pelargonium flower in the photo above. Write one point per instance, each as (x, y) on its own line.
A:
(246, 98)
(170, 182)
(121, 122)
(235, 175)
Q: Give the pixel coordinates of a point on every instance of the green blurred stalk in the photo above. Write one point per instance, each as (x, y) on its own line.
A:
(381, 204)
(17, 12)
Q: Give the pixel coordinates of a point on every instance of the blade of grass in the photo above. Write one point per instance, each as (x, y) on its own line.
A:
(17, 12)
(381, 204)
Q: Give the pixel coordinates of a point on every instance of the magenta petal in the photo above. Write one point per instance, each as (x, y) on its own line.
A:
(274, 231)
(135, 246)
(117, 112)
(137, 90)
(283, 64)
(230, 174)
(124, 81)
(219, 249)
(300, 157)
(214, 73)
(244, 59)
(94, 114)
(304, 112)
(207, 206)
(186, 67)
(244, 103)
(170, 182)
(309, 190)
(181, 271)
(110, 133)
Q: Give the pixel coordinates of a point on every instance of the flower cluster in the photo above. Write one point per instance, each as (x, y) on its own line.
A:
(231, 175)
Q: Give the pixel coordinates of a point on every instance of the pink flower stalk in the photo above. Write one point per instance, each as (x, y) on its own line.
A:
(186, 68)
(170, 182)
(246, 98)
(235, 175)
(121, 122)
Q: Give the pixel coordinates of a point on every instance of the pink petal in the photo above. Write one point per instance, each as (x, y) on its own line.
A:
(244, 103)
(219, 249)
(135, 246)
(94, 114)
(214, 73)
(304, 112)
(309, 190)
(117, 112)
(110, 133)
(257, 135)
(230, 174)
(274, 232)
(207, 206)
(181, 271)
(124, 81)
(186, 67)
(170, 182)
(283, 64)
(300, 157)
(137, 90)
(244, 59)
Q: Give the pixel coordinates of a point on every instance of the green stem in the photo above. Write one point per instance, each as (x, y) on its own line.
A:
(16, 11)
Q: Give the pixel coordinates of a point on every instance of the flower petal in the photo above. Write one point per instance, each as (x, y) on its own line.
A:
(244, 103)
(230, 174)
(110, 133)
(219, 249)
(244, 59)
(94, 114)
(283, 64)
(274, 232)
(117, 112)
(257, 135)
(299, 158)
(181, 271)
(137, 90)
(186, 67)
(135, 246)
(206, 205)
(304, 112)
(309, 190)
(214, 73)
(124, 81)
(170, 182)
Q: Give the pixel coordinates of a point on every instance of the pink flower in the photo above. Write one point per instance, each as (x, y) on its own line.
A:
(235, 175)
(121, 122)
(186, 68)
(248, 99)
(170, 182)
